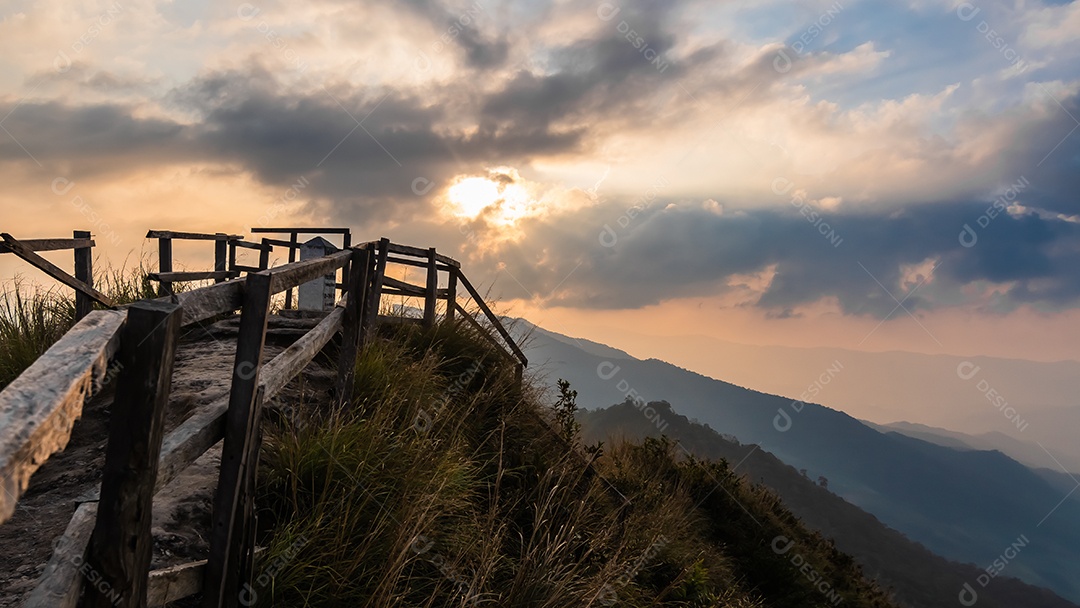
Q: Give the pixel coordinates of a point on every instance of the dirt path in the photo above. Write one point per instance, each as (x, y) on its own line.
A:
(202, 373)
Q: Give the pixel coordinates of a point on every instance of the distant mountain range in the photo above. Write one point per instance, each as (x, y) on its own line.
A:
(967, 505)
(885, 387)
(916, 576)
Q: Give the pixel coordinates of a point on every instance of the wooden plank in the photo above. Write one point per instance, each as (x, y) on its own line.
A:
(179, 277)
(350, 334)
(175, 583)
(243, 574)
(190, 236)
(242, 268)
(165, 264)
(84, 271)
(422, 253)
(371, 306)
(494, 319)
(221, 259)
(302, 230)
(291, 275)
(451, 296)
(248, 245)
(53, 244)
(284, 367)
(281, 243)
(294, 247)
(53, 270)
(205, 302)
(38, 409)
(121, 546)
(393, 259)
(223, 554)
(61, 581)
(264, 255)
(431, 289)
(399, 285)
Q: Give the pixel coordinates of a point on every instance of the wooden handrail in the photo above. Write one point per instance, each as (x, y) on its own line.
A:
(492, 317)
(366, 281)
(38, 408)
(192, 236)
(51, 244)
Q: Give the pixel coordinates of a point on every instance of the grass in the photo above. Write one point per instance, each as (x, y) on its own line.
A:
(33, 318)
(442, 484)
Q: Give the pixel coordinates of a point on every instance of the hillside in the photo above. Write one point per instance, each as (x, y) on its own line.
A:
(967, 506)
(444, 485)
(916, 576)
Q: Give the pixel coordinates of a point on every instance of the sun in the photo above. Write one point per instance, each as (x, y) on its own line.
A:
(471, 196)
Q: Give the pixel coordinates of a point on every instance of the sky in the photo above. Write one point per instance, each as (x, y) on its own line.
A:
(867, 175)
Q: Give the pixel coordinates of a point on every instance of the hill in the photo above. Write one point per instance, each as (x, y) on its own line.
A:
(968, 506)
(447, 484)
(916, 576)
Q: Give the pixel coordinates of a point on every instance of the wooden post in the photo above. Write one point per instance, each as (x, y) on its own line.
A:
(293, 242)
(84, 271)
(431, 289)
(232, 255)
(246, 521)
(451, 294)
(371, 306)
(264, 254)
(164, 248)
(346, 243)
(221, 252)
(350, 328)
(121, 545)
(219, 588)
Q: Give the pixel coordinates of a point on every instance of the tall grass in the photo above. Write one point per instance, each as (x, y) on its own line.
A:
(33, 318)
(441, 484)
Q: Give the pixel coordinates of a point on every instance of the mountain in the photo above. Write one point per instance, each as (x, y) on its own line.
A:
(1032, 454)
(1040, 401)
(969, 506)
(916, 576)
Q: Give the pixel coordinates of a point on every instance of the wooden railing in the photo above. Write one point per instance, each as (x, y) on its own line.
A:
(38, 409)
(82, 280)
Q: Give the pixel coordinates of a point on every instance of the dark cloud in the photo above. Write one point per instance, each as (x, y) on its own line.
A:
(687, 251)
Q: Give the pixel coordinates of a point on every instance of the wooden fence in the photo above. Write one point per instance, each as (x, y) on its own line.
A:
(108, 538)
(82, 280)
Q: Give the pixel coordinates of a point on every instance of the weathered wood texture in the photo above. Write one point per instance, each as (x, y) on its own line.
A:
(301, 230)
(422, 253)
(53, 270)
(164, 264)
(350, 334)
(407, 288)
(171, 584)
(61, 582)
(491, 317)
(177, 277)
(393, 259)
(38, 409)
(84, 271)
(431, 289)
(121, 545)
(371, 306)
(293, 274)
(203, 303)
(52, 244)
(221, 260)
(451, 296)
(219, 589)
(190, 236)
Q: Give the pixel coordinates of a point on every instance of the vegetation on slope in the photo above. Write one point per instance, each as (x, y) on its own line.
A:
(916, 576)
(33, 318)
(443, 484)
